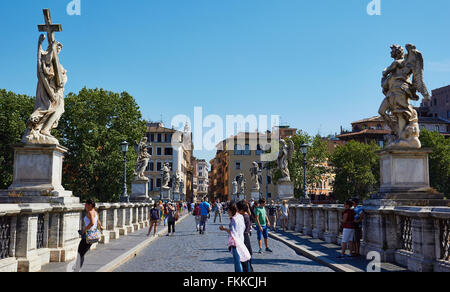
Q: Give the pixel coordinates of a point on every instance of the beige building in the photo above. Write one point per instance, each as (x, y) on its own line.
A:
(201, 179)
(167, 145)
(235, 156)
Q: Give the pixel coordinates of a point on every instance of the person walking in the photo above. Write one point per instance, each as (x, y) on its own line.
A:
(348, 228)
(154, 218)
(218, 211)
(244, 210)
(171, 219)
(241, 255)
(262, 224)
(89, 234)
(165, 209)
(205, 208)
(359, 217)
(284, 210)
(272, 215)
(196, 214)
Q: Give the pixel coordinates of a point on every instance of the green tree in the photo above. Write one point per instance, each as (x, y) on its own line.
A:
(439, 160)
(94, 124)
(15, 110)
(316, 157)
(356, 166)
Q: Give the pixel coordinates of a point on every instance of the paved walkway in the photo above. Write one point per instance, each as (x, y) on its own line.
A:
(327, 253)
(105, 256)
(188, 251)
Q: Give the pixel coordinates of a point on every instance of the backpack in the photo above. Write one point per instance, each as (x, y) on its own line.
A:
(196, 211)
(154, 214)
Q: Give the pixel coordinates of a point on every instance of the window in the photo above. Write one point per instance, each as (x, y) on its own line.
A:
(259, 150)
(269, 180)
(238, 166)
(151, 166)
(247, 150)
(269, 195)
(150, 185)
(158, 166)
(158, 182)
(150, 150)
(159, 138)
(168, 151)
(436, 128)
(200, 174)
(159, 151)
(168, 138)
(152, 137)
(237, 149)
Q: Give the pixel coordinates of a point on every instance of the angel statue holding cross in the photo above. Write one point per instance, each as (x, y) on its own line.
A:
(399, 89)
(52, 78)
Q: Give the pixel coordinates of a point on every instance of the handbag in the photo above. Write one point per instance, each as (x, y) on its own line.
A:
(176, 216)
(92, 236)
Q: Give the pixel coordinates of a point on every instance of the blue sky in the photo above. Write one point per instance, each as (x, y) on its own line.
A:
(317, 64)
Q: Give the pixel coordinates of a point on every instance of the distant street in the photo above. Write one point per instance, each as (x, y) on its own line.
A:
(188, 251)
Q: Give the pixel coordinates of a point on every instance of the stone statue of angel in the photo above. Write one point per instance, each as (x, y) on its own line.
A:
(165, 174)
(284, 158)
(241, 184)
(142, 159)
(235, 188)
(255, 173)
(49, 104)
(176, 182)
(399, 89)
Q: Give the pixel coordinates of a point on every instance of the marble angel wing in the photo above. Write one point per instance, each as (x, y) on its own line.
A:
(415, 59)
(291, 148)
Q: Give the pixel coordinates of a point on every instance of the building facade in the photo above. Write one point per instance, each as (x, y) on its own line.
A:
(201, 179)
(439, 104)
(167, 145)
(234, 156)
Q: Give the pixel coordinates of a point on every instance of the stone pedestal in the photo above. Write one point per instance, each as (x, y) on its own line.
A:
(256, 195)
(166, 194)
(404, 180)
(139, 191)
(285, 191)
(37, 176)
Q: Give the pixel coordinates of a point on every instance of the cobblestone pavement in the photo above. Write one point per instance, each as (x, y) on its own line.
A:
(188, 251)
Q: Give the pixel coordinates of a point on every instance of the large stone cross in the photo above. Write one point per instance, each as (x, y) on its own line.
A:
(50, 29)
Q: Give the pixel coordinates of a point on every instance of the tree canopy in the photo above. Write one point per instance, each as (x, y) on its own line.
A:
(316, 157)
(357, 170)
(15, 110)
(439, 160)
(96, 121)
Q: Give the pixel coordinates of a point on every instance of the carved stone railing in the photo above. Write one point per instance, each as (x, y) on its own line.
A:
(32, 235)
(417, 238)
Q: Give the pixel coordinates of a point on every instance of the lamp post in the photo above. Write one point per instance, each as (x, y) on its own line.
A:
(304, 150)
(124, 197)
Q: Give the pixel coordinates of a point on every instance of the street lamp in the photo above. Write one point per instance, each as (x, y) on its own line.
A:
(124, 198)
(304, 150)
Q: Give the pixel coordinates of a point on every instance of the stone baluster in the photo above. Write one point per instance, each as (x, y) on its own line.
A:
(291, 218)
(319, 226)
(141, 216)
(135, 217)
(299, 218)
(121, 219)
(307, 220)
(333, 225)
